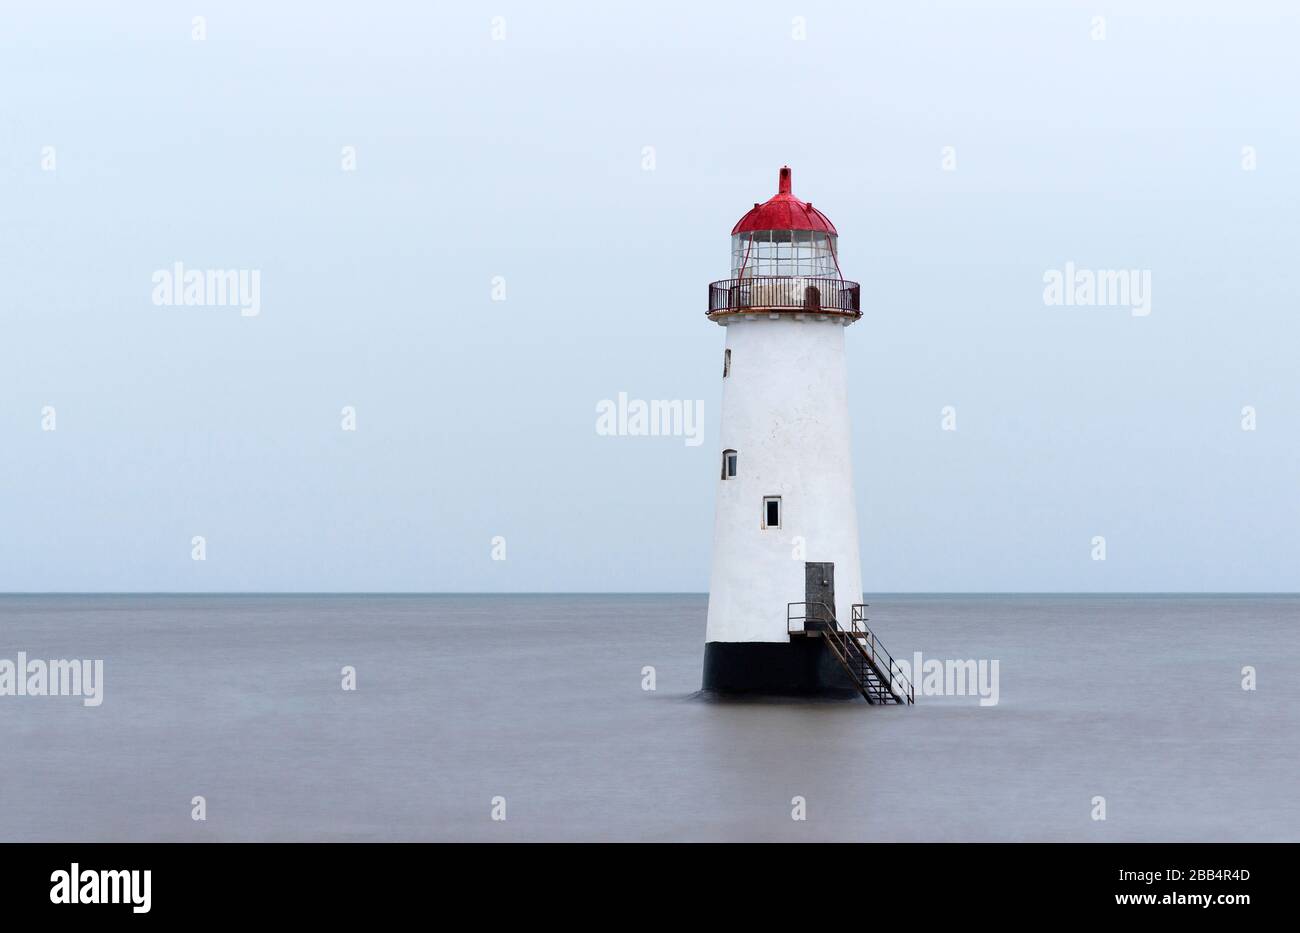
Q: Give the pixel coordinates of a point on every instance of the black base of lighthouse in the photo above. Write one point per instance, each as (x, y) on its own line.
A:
(800, 667)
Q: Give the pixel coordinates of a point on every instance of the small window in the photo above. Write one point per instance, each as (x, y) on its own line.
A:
(728, 464)
(772, 512)
(726, 363)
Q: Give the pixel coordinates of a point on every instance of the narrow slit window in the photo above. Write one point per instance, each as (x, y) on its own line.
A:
(729, 464)
(726, 363)
(772, 512)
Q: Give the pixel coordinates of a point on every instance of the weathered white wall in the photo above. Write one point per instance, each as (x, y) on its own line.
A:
(785, 411)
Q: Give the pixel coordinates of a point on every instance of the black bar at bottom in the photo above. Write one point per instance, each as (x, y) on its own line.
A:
(913, 883)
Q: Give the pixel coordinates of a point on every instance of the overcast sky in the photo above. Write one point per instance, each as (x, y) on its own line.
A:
(127, 145)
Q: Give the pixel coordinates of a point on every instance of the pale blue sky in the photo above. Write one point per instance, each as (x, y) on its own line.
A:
(523, 158)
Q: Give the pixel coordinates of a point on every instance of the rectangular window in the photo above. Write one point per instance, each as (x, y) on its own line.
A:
(726, 364)
(772, 512)
(728, 464)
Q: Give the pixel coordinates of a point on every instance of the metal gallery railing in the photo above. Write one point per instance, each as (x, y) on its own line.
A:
(786, 293)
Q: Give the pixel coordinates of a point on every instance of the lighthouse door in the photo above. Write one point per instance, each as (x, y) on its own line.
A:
(819, 593)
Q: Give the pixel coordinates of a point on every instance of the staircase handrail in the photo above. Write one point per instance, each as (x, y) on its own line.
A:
(859, 627)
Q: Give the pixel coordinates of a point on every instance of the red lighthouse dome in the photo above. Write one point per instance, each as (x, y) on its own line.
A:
(783, 211)
(785, 258)
(784, 236)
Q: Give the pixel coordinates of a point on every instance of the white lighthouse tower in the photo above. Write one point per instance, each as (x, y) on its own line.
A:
(786, 585)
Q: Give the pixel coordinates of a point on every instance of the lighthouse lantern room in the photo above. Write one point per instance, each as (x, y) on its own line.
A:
(785, 592)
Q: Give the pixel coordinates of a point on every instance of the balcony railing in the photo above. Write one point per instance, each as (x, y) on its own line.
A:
(786, 293)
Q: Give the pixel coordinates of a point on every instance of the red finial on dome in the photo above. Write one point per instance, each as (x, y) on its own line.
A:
(783, 211)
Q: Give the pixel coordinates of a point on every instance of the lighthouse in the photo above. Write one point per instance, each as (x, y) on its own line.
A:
(786, 614)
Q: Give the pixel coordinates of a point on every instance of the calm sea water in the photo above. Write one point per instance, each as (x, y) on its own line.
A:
(539, 700)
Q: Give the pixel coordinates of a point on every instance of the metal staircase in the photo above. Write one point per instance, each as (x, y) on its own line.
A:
(871, 668)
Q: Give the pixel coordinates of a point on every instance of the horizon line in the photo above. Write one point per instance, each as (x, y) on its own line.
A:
(629, 593)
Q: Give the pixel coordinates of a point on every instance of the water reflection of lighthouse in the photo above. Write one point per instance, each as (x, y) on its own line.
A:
(785, 590)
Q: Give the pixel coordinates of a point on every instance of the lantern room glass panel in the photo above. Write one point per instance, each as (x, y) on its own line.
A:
(783, 252)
